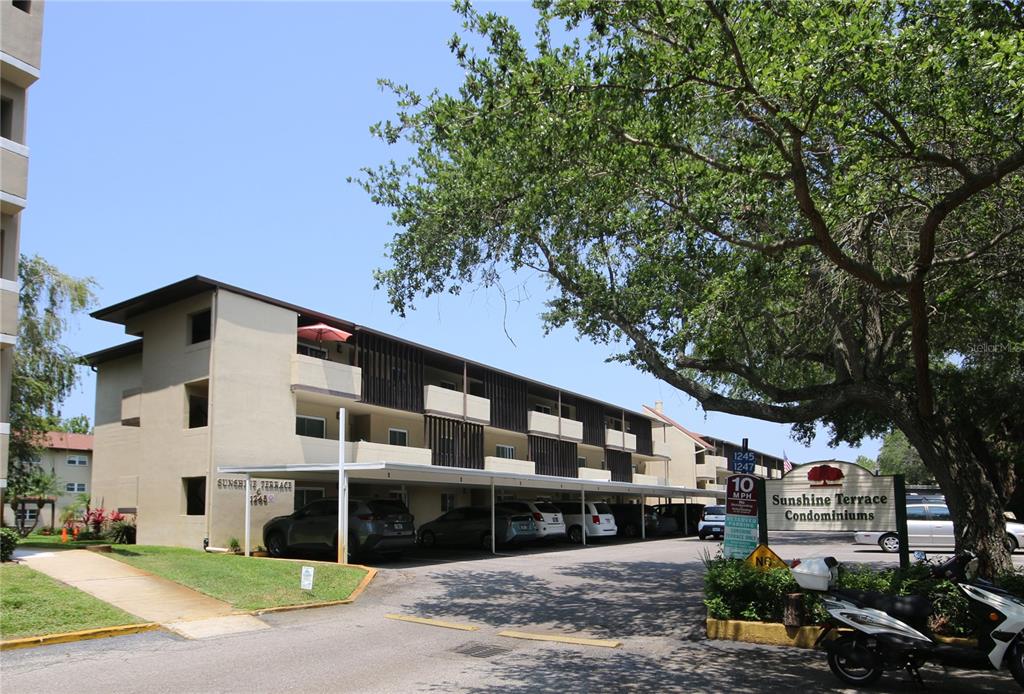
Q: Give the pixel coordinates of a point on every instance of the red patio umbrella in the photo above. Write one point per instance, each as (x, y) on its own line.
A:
(322, 331)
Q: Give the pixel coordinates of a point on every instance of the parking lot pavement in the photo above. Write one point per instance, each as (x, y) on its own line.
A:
(645, 594)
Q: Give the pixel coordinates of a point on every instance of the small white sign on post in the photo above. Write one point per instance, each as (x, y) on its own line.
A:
(307, 578)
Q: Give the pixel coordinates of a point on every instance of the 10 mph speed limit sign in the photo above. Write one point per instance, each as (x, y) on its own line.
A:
(742, 502)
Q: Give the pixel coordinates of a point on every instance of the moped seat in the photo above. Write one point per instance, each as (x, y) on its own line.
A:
(906, 607)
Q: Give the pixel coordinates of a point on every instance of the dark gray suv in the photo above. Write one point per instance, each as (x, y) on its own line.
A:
(375, 526)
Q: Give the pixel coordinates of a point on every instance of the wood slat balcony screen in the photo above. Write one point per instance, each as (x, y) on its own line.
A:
(392, 372)
(641, 427)
(508, 400)
(553, 457)
(454, 443)
(620, 463)
(592, 416)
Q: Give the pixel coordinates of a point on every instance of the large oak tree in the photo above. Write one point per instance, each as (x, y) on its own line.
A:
(807, 213)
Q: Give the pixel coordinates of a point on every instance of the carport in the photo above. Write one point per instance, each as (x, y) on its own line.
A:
(429, 475)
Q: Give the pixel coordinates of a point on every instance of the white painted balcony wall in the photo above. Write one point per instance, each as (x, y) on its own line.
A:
(541, 424)
(620, 441)
(589, 473)
(327, 377)
(495, 464)
(445, 402)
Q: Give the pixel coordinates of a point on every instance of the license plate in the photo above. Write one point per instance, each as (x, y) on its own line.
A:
(399, 526)
(522, 526)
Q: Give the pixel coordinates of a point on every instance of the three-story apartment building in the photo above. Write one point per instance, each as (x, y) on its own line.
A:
(219, 379)
(21, 32)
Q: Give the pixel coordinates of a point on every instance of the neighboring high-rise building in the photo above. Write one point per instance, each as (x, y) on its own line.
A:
(20, 48)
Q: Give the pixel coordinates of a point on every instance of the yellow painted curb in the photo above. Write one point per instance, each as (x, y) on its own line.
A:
(771, 634)
(370, 574)
(432, 622)
(600, 643)
(68, 637)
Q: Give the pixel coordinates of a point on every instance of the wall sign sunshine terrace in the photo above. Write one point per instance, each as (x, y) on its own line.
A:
(830, 496)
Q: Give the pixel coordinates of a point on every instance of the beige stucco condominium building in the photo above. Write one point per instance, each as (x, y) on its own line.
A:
(69, 456)
(219, 380)
(21, 34)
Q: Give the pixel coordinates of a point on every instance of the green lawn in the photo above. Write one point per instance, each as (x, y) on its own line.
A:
(53, 541)
(246, 583)
(32, 604)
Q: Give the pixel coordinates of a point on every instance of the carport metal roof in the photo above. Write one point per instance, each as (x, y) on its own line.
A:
(440, 475)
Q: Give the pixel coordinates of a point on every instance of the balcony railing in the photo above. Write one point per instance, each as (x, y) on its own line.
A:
(316, 450)
(706, 471)
(326, 377)
(589, 473)
(445, 402)
(652, 480)
(495, 464)
(541, 424)
(714, 487)
(619, 440)
(661, 448)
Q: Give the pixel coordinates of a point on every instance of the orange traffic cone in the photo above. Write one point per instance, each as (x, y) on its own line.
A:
(75, 532)
(64, 534)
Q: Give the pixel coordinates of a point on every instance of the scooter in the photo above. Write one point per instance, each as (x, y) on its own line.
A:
(878, 632)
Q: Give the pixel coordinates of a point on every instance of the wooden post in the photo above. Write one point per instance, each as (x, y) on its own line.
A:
(793, 613)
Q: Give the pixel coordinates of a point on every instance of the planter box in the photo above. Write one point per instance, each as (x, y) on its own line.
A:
(774, 634)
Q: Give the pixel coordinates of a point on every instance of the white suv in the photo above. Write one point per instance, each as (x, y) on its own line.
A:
(547, 516)
(599, 520)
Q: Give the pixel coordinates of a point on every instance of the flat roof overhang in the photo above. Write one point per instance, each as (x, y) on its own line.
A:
(411, 473)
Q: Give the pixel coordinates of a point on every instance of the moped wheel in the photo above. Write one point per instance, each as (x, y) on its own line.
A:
(1015, 660)
(852, 662)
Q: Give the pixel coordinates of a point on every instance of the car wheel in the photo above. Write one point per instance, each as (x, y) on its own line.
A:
(275, 545)
(889, 543)
(428, 539)
(575, 535)
(485, 541)
(1011, 543)
(629, 531)
(701, 537)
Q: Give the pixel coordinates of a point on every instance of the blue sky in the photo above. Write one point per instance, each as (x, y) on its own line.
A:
(173, 139)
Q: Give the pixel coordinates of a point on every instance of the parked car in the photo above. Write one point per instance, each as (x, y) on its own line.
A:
(627, 518)
(686, 516)
(599, 521)
(712, 523)
(926, 499)
(375, 526)
(546, 515)
(471, 525)
(930, 525)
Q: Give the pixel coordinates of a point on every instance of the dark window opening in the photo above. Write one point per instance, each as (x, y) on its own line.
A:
(200, 327)
(310, 351)
(198, 401)
(6, 118)
(398, 437)
(23, 5)
(448, 385)
(543, 409)
(195, 495)
(447, 502)
(314, 427)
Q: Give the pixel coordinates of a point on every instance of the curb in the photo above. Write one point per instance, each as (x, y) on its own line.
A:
(84, 635)
(370, 574)
(775, 634)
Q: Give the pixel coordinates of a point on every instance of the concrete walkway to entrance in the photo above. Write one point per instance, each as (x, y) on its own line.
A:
(149, 597)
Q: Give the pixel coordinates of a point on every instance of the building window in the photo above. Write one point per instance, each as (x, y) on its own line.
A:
(314, 427)
(6, 118)
(77, 460)
(74, 487)
(503, 451)
(448, 385)
(199, 327)
(544, 409)
(307, 495)
(581, 461)
(198, 402)
(447, 502)
(194, 489)
(23, 5)
(398, 437)
(26, 514)
(311, 351)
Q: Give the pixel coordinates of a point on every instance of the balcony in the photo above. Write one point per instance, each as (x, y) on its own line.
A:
(369, 452)
(652, 480)
(326, 377)
(619, 440)
(706, 471)
(589, 473)
(661, 448)
(445, 402)
(495, 464)
(714, 488)
(13, 173)
(8, 307)
(541, 424)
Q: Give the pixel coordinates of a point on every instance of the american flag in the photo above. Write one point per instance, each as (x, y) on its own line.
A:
(787, 465)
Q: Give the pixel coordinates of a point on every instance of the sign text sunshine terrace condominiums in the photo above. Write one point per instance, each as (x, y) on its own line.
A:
(834, 496)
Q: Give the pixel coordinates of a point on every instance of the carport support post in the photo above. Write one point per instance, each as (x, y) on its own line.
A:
(342, 492)
(248, 511)
(899, 490)
(583, 516)
(493, 540)
(643, 518)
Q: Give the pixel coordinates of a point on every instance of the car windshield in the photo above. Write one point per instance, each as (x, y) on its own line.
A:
(714, 511)
(517, 506)
(545, 507)
(601, 507)
(387, 506)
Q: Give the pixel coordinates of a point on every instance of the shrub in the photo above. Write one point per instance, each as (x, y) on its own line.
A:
(121, 532)
(8, 541)
(735, 590)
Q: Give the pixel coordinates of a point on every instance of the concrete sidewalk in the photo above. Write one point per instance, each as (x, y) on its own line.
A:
(149, 597)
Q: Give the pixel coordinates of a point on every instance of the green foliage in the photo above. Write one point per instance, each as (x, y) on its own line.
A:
(8, 541)
(73, 425)
(121, 532)
(898, 457)
(735, 590)
(803, 212)
(30, 486)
